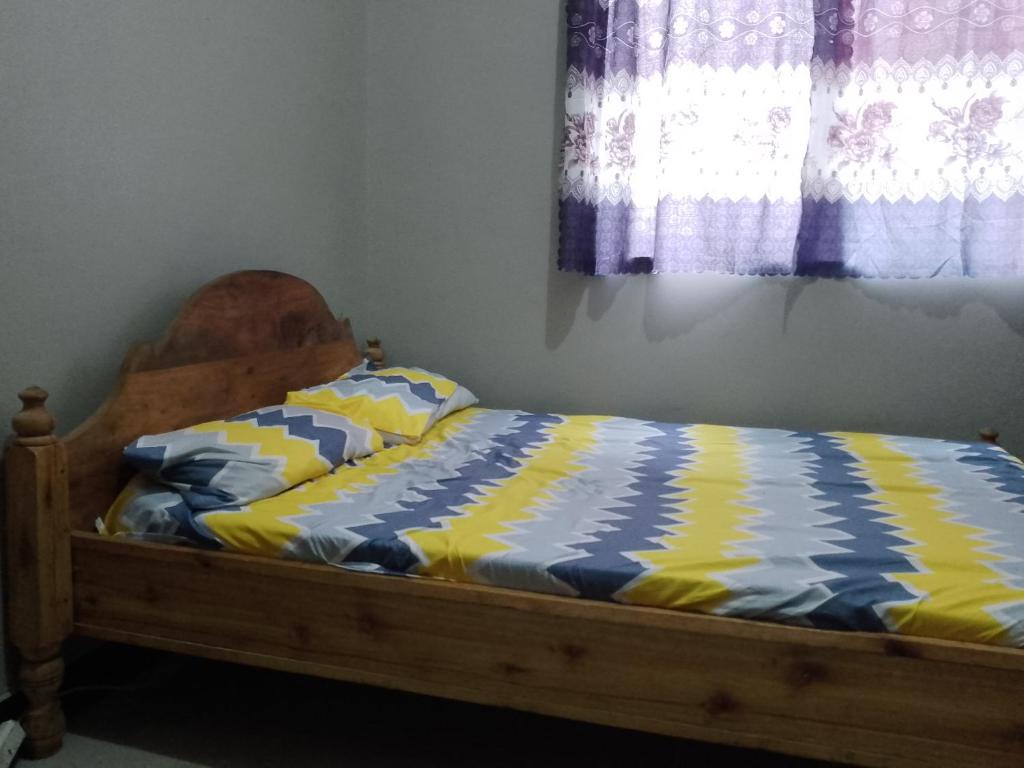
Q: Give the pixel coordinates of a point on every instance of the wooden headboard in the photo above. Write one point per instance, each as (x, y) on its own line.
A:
(241, 342)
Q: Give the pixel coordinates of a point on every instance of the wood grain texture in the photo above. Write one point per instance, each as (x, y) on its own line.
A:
(868, 699)
(242, 342)
(38, 562)
(241, 314)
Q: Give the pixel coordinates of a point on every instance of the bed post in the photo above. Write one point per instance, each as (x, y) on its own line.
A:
(989, 435)
(375, 353)
(38, 567)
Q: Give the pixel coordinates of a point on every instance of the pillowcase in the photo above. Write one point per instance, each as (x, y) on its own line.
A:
(251, 456)
(149, 510)
(400, 403)
(462, 398)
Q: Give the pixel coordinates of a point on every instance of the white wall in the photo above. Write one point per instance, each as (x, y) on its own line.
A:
(464, 103)
(147, 146)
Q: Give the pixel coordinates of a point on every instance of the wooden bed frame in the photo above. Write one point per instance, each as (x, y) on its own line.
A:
(245, 340)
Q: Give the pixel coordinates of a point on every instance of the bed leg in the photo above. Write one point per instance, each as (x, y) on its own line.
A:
(38, 561)
(40, 679)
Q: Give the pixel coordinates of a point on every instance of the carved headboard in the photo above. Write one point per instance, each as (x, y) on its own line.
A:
(241, 342)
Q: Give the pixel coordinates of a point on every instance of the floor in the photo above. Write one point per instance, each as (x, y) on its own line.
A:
(164, 711)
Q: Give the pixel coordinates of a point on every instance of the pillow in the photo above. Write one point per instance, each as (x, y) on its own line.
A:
(150, 510)
(400, 403)
(251, 456)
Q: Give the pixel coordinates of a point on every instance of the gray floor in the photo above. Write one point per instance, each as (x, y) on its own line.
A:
(135, 709)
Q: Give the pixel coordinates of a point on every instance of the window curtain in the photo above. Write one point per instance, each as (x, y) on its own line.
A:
(858, 138)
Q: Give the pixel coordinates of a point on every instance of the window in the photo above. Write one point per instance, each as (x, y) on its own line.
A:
(883, 138)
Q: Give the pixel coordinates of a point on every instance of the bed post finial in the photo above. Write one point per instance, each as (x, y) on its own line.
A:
(34, 425)
(989, 435)
(38, 567)
(375, 353)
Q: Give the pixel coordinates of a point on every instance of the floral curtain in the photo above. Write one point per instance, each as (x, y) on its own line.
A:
(858, 138)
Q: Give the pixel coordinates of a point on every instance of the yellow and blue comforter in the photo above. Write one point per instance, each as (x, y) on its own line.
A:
(838, 530)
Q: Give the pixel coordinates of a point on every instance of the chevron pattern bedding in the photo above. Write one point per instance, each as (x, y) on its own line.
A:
(400, 403)
(830, 530)
(250, 456)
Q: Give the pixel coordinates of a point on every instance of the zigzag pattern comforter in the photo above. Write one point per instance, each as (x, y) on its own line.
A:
(839, 531)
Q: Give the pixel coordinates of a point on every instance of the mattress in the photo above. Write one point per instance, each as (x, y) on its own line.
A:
(834, 530)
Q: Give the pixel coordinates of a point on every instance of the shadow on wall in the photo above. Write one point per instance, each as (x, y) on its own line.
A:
(674, 305)
(941, 298)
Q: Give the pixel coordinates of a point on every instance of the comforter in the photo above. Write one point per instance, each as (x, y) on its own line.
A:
(832, 530)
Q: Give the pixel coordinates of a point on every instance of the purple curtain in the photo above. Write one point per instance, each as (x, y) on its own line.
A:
(839, 138)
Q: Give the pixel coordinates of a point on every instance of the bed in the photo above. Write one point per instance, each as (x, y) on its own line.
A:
(870, 698)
